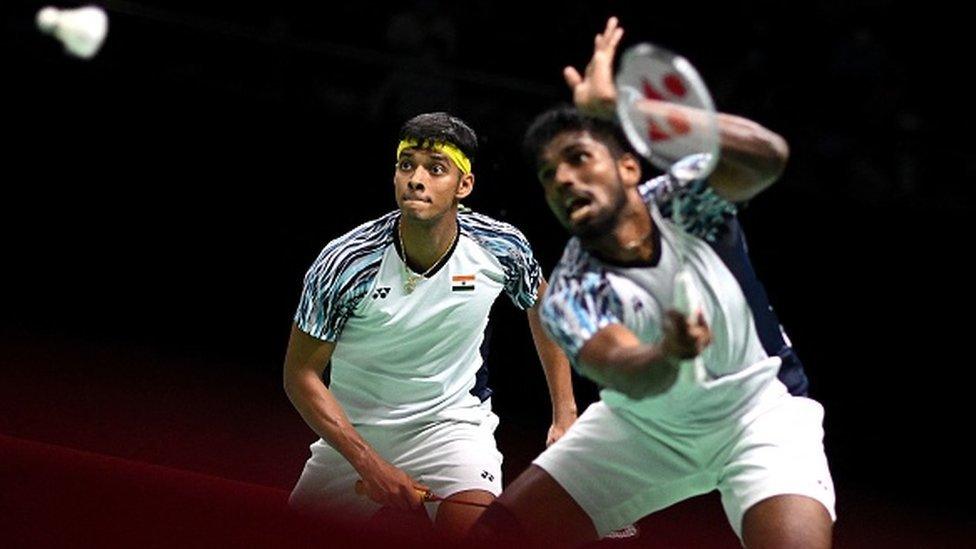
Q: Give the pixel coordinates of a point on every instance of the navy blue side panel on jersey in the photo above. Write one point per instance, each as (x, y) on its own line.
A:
(481, 388)
(522, 273)
(713, 219)
(731, 247)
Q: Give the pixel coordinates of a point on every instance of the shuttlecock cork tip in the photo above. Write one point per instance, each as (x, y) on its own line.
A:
(47, 19)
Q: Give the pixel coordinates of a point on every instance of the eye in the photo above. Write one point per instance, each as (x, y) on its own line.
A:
(579, 157)
(405, 165)
(438, 169)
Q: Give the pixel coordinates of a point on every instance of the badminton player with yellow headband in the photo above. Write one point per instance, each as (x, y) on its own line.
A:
(399, 307)
(458, 157)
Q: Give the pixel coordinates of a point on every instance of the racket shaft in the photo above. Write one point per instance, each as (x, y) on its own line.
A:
(688, 302)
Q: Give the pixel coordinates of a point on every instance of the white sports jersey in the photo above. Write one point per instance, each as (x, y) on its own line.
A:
(586, 294)
(407, 357)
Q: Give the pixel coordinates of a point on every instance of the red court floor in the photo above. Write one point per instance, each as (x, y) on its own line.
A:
(103, 446)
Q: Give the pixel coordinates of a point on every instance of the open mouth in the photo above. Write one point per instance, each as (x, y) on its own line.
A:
(577, 207)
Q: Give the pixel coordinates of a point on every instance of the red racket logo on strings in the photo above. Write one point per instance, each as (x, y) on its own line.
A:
(678, 123)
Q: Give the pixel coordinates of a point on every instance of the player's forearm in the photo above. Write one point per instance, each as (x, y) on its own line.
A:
(559, 379)
(637, 370)
(555, 365)
(752, 158)
(324, 415)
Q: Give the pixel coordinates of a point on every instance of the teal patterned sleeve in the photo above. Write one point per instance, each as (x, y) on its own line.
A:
(508, 245)
(693, 204)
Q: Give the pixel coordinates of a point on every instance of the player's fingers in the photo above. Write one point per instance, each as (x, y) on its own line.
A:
(701, 336)
(615, 38)
(404, 502)
(699, 342)
(672, 319)
(695, 333)
(406, 498)
(383, 497)
(679, 318)
(680, 325)
(555, 433)
(700, 319)
(572, 77)
(678, 330)
(606, 38)
(424, 494)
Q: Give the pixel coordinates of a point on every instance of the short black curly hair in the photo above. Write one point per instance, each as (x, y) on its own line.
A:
(441, 127)
(566, 118)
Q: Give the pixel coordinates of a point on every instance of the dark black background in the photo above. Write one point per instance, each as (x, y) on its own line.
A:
(170, 193)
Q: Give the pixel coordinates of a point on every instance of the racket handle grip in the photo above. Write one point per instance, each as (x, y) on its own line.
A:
(686, 298)
(425, 495)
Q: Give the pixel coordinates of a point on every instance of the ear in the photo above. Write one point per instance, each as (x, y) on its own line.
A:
(465, 186)
(630, 169)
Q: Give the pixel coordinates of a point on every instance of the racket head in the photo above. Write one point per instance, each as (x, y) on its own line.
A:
(666, 111)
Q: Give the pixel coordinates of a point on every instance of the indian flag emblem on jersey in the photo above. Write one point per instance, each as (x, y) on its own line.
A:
(462, 283)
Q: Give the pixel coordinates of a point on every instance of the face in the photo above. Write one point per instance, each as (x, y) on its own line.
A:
(428, 184)
(585, 186)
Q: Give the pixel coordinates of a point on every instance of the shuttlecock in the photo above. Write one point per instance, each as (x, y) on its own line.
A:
(81, 30)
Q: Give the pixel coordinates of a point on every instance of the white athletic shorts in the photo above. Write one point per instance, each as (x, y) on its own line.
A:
(620, 468)
(447, 456)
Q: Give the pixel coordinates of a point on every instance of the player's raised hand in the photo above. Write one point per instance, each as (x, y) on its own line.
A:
(685, 338)
(391, 487)
(595, 92)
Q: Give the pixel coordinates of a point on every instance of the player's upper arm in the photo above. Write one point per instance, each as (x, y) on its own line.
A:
(523, 272)
(306, 355)
(752, 158)
(324, 306)
(337, 282)
(539, 294)
(575, 309)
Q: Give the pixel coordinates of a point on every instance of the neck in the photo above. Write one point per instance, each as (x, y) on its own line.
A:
(629, 240)
(426, 243)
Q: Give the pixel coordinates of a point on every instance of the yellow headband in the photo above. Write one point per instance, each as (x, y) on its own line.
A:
(450, 150)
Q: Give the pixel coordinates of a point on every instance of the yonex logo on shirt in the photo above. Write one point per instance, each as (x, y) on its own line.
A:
(486, 475)
(381, 292)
